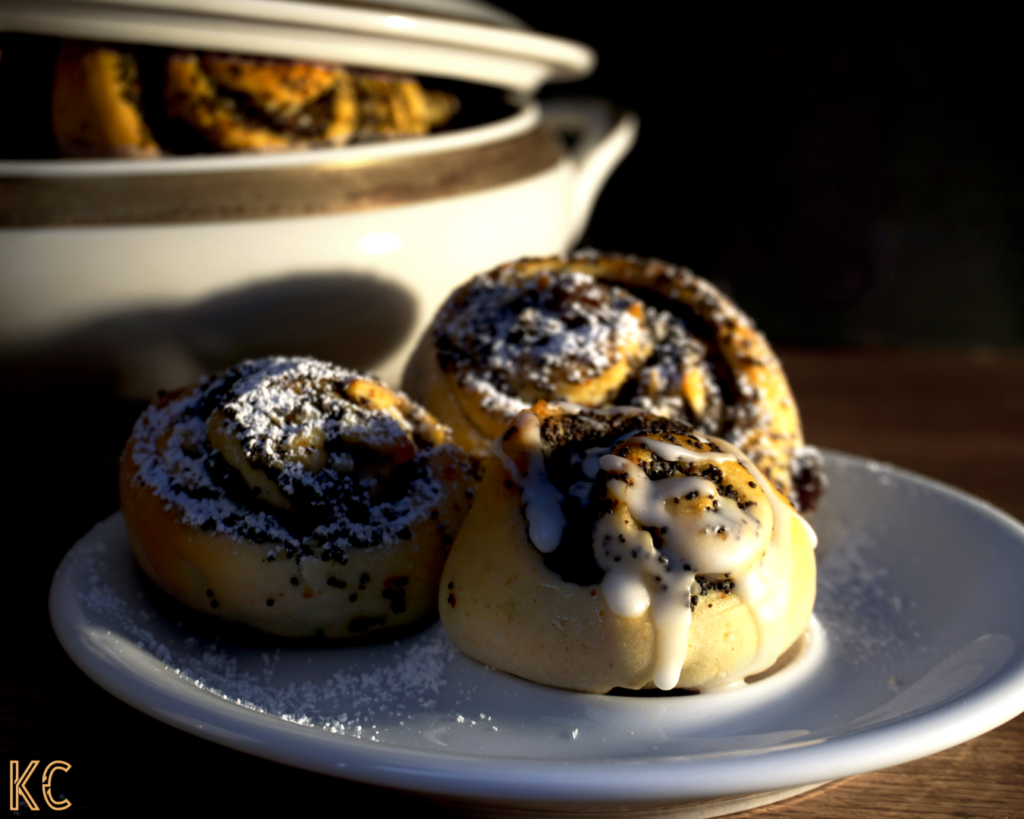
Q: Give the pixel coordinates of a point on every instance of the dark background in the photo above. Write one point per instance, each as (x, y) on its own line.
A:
(848, 178)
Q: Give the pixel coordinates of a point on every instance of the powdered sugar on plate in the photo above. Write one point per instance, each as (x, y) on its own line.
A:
(857, 599)
(861, 603)
(400, 681)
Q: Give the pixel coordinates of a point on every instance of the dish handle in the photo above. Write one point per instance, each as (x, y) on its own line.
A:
(599, 138)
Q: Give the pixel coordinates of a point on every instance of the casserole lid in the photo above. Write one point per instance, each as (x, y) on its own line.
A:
(465, 40)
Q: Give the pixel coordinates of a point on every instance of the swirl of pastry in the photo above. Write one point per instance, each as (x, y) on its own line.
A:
(114, 100)
(297, 497)
(610, 329)
(616, 548)
(261, 104)
(248, 104)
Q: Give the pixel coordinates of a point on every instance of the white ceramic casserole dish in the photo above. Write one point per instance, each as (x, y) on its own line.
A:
(179, 264)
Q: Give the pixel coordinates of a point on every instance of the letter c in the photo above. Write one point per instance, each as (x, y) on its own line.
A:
(48, 771)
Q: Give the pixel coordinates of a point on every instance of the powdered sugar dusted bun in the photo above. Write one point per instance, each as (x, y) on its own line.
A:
(616, 548)
(609, 329)
(295, 496)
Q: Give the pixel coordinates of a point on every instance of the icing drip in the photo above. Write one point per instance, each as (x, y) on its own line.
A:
(543, 500)
(719, 538)
(768, 600)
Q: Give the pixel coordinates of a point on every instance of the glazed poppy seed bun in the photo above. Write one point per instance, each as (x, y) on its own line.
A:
(610, 330)
(296, 497)
(617, 549)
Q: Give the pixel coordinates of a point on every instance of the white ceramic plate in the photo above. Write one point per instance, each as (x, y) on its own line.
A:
(906, 662)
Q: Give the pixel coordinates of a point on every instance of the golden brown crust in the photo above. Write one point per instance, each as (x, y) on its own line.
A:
(95, 103)
(226, 102)
(752, 406)
(274, 86)
(501, 604)
(774, 431)
(248, 104)
(474, 425)
(321, 582)
(394, 106)
(244, 104)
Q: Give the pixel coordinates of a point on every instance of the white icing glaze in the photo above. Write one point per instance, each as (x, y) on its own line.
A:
(753, 549)
(723, 539)
(543, 501)
(765, 597)
(749, 543)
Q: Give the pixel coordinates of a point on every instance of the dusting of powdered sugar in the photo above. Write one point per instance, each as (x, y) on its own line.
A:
(531, 335)
(857, 600)
(394, 683)
(271, 403)
(175, 461)
(285, 401)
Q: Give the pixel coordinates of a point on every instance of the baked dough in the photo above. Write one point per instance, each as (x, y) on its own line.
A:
(297, 497)
(611, 329)
(112, 100)
(245, 104)
(393, 106)
(95, 103)
(249, 104)
(614, 548)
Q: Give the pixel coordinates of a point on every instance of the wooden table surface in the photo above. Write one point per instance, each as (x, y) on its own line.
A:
(954, 416)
